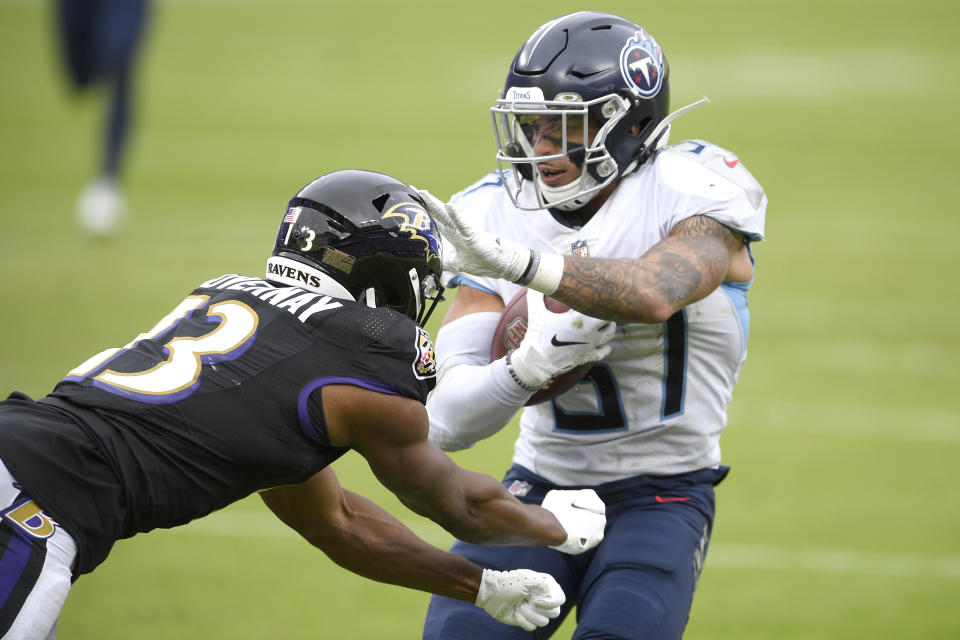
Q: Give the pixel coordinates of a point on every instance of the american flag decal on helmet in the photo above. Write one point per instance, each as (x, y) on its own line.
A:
(292, 214)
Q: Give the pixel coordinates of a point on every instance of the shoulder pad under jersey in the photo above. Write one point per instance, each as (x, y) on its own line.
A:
(703, 169)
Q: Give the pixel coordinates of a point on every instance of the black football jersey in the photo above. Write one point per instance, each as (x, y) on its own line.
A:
(219, 400)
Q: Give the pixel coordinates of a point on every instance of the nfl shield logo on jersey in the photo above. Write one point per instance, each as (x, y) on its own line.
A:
(579, 249)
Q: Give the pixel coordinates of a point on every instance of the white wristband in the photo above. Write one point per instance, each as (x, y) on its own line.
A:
(549, 272)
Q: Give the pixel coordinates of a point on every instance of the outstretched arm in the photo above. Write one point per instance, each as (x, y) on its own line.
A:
(363, 538)
(391, 433)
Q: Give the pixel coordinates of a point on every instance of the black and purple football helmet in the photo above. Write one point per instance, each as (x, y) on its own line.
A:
(369, 233)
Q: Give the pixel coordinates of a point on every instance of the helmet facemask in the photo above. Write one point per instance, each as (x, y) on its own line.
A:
(516, 128)
(577, 130)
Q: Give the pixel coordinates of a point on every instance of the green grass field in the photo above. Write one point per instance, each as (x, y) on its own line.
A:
(841, 518)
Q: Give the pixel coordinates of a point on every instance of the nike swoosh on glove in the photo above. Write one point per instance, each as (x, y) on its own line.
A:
(521, 597)
(557, 342)
(582, 514)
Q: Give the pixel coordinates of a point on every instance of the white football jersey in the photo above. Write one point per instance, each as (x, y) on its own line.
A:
(657, 403)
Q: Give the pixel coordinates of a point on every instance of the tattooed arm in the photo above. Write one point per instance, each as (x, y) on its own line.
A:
(698, 255)
(686, 266)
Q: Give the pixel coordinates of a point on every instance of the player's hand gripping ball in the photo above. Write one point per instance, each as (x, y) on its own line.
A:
(512, 328)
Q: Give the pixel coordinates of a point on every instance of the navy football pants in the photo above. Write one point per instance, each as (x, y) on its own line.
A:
(638, 583)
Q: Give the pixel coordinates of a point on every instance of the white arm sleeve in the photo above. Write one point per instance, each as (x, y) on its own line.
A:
(474, 398)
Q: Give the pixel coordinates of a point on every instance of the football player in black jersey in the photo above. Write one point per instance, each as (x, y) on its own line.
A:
(257, 385)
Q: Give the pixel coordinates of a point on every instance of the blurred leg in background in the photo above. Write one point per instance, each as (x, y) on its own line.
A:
(100, 40)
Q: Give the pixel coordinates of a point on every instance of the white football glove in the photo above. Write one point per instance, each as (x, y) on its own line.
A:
(557, 342)
(521, 597)
(478, 253)
(582, 513)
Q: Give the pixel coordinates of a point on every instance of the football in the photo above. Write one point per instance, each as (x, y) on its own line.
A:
(510, 331)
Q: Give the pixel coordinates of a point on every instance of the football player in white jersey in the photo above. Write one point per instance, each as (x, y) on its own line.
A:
(650, 245)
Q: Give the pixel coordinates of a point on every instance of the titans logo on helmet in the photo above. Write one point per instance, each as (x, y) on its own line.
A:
(641, 63)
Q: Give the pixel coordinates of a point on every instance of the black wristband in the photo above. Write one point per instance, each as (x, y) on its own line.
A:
(531, 269)
(516, 378)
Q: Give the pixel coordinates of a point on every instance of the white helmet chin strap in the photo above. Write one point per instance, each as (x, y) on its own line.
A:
(557, 194)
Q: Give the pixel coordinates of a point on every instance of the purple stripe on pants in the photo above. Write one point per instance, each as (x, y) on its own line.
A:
(14, 559)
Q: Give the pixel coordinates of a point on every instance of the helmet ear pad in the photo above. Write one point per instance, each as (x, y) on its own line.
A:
(625, 142)
(627, 139)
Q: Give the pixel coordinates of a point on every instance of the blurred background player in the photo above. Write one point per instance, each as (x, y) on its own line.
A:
(257, 385)
(100, 40)
(596, 210)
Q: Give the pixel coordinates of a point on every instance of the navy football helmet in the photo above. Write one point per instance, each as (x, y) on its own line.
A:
(589, 78)
(362, 235)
